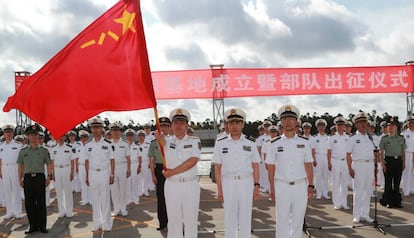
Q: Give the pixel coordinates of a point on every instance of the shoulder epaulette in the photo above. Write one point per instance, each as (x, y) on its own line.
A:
(267, 140)
(251, 138)
(275, 139)
(69, 145)
(88, 141)
(110, 142)
(301, 136)
(351, 135)
(125, 141)
(222, 138)
(53, 146)
(153, 140)
(41, 147)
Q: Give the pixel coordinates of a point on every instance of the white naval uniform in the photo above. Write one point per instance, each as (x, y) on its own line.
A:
(320, 144)
(182, 191)
(150, 137)
(85, 193)
(76, 184)
(145, 175)
(118, 188)
(361, 149)
(289, 155)
(99, 155)
(11, 186)
(236, 158)
(51, 143)
(407, 175)
(263, 174)
(337, 145)
(135, 179)
(62, 157)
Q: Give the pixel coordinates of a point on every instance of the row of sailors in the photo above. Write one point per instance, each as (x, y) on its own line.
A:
(68, 162)
(289, 160)
(329, 156)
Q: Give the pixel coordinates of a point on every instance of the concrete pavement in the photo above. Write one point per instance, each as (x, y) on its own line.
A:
(141, 221)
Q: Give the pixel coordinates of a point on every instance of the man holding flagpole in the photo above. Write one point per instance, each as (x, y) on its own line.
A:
(182, 191)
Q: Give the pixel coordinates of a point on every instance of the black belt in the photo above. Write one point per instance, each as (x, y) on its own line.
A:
(393, 157)
(33, 175)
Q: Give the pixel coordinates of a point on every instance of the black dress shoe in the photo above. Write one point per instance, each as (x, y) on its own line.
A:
(31, 231)
(44, 230)
(164, 228)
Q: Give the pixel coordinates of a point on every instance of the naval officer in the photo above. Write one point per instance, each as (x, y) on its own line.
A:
(360, 155)
(290, 173)
(182, 191)
(63, 163)
(9, 151)
(236, 160)
(337, 164)
(100, 169)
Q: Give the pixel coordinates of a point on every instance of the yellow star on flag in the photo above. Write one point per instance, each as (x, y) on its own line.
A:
(127, 21)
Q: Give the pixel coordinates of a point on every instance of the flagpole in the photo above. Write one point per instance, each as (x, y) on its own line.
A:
(157, 124)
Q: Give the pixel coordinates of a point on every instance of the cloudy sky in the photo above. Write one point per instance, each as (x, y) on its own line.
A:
(192, 34)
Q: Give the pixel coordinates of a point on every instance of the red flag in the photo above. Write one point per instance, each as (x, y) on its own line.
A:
(104, 68)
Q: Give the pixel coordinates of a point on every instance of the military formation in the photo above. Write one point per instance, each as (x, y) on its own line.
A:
(114, 168)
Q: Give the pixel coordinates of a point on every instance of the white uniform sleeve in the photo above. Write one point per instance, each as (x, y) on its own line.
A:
(330, 142)
(349, 145)
(255, 154)
(73, 154)
(127, 150)
(196, 151)
(270, 153)
(217, 158)
(308, 153)
(312, 142)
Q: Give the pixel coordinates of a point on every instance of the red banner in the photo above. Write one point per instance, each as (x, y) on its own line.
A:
(235, 82)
